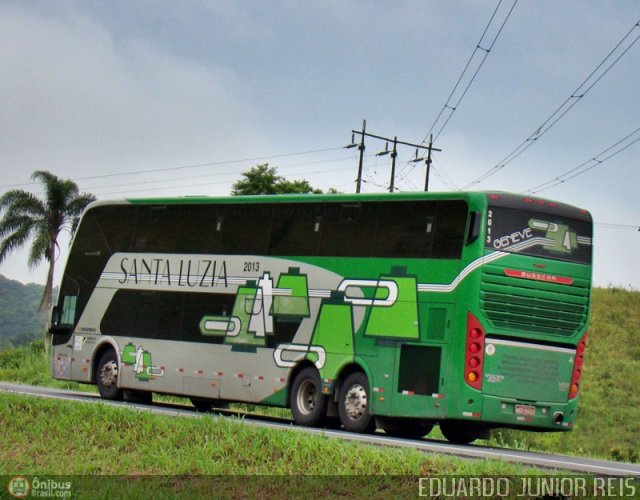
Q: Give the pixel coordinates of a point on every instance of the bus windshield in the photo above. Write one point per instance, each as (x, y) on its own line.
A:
(539, 234)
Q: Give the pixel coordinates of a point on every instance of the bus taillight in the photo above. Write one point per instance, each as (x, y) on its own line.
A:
(474, 353)
(577, 368)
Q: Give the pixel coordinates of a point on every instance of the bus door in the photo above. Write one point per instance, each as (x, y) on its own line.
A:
(62, 338)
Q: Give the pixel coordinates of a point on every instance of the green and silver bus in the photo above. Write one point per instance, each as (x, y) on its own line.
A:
(397, 311)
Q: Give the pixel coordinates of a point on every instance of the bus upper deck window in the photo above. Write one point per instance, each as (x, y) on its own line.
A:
(429, 226)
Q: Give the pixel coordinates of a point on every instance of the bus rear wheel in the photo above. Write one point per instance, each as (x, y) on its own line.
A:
(409, 428)
(308, 404)
(354, 404)
(458, 432)
(107, 376)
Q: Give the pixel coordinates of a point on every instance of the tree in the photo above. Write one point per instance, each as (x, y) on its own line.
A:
(28, 217)
(263, 179)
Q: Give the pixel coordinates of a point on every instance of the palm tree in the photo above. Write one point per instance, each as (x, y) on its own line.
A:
(28, 217)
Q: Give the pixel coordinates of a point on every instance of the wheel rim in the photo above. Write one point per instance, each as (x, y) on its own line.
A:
(109, 374)
(355, 402)
(306, 397)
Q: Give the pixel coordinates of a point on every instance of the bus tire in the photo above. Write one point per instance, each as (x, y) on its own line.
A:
(409, 428)
(308, 404)
(142, 397)
(203, 405)
(354, 404)
(457, 432)
(107, 376)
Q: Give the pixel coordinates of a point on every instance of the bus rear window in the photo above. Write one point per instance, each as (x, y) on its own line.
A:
(539, 234)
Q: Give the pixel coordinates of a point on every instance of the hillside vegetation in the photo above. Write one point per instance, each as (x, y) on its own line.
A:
(20, 321)
(608, 423)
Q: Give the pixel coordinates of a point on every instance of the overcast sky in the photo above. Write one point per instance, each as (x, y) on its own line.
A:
(191, 94)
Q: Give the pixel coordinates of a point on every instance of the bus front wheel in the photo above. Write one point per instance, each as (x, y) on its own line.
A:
(354, 404)
(107, 376)
(308, 404)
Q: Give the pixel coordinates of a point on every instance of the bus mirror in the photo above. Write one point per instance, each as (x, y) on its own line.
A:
(54, 325)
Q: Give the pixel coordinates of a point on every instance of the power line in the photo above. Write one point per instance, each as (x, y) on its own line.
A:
(450, 107)
(588, 83)
(617, 148)
(617, 226)
(217, 174)
(212, 183)
(182, 167)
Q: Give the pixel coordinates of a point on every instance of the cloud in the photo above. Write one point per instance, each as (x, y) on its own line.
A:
(78, 101)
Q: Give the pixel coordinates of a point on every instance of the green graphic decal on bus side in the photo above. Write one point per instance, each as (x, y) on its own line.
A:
(334, 331)
(243, 310)
(220, 326)
(401, 318)
(564, 240)
(140, 359)
(257, 304)
(296, 304)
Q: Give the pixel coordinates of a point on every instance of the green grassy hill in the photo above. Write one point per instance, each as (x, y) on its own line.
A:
(20, 320)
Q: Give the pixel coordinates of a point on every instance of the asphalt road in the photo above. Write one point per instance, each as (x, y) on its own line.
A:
(534, 459)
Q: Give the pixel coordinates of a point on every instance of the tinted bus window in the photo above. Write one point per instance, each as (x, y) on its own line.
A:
(156, 229)
(347, 229)
(87, 259)
(164, 315)
(116, 225)
(199, 229)
(295, 229)
(449, 229)
(421, 229)
(539, 234)
(245, 229)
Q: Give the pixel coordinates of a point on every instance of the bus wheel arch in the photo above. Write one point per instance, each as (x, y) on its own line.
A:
(307, 402)
(97, 355)
(106, 372)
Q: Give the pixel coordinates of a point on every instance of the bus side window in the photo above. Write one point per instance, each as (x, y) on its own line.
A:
(245, 230)
(199, 229)
(347, 229)
(295, 230)
(68, 313)
(156, 229)
(405, 229)
(63, 319)
(450, 228)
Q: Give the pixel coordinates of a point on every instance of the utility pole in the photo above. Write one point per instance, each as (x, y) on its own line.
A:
(394, 153)
(428, 163)
(361, 149)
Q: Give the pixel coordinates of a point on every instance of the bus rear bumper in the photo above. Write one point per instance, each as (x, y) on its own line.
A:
(543, 416)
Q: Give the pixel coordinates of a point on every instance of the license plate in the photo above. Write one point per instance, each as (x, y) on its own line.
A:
(526, 410)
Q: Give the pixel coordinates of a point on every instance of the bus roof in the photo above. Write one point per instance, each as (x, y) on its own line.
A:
(495, 198)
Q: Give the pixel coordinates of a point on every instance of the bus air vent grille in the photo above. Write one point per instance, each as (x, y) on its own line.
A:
(534, 306)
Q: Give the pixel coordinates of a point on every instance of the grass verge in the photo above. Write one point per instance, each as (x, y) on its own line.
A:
(48, 437)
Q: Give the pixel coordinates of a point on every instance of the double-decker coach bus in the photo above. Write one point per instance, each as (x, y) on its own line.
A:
(398, 311)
